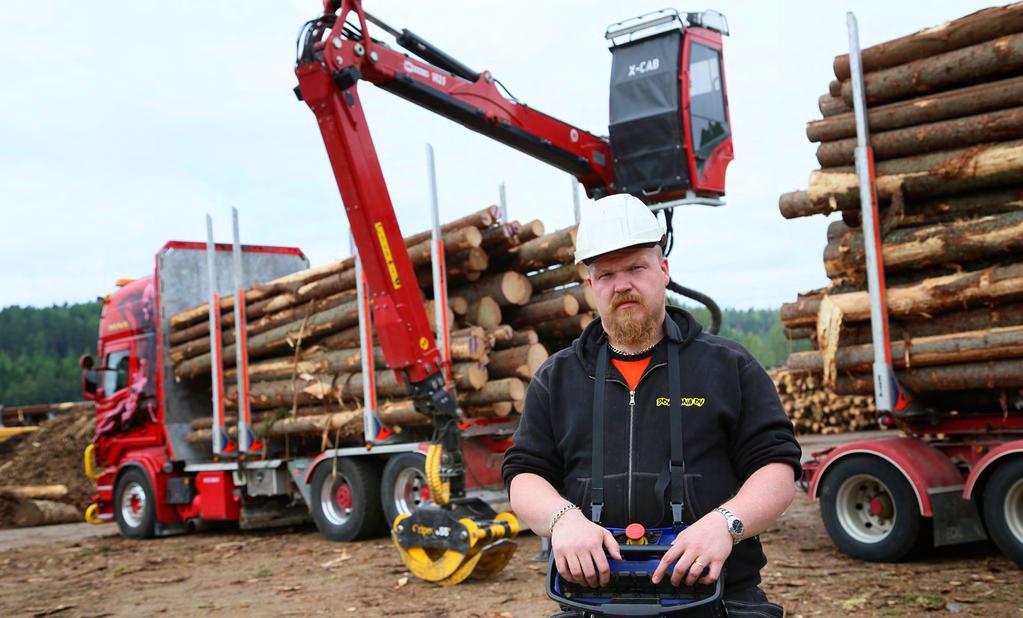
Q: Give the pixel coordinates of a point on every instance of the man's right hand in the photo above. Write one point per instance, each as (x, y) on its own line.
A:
(578, 545)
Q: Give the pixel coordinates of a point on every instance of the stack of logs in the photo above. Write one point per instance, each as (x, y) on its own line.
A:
(945, 111)
(814, 409)
(514, 294)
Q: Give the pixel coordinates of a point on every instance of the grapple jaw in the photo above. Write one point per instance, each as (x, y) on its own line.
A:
(449, 543)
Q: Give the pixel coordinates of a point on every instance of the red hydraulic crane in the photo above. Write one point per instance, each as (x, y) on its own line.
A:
(669, 144)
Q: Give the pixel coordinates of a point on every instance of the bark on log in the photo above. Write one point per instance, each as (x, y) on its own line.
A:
(995, 126)
(498, 238)
(35, 492)
(565, 328)
(984, 166)
(990, 375)
(998, 316)
(500, 333)
(901, 249)
(520, 362)
(974, 28)
(29, 513)
(832, 106)
(583, 293)
(1000, 284)
(941, 210)
(278, 338)
(555, 308)
(980, 62)
(401, 414)
(961, 347)
(557, 276)
(554, 248)
(454, 242)
(479, 219)
(985, 97)
(346, 425)
(507, 288)
(470, 376)
(507, 389)
(518, 338)
(530, 230)
(498, 409)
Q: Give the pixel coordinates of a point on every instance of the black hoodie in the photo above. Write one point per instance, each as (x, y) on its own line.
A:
(733, 425)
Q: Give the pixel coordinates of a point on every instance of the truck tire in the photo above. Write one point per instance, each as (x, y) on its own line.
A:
(403, 488)
(1003, 509)
(135, 505)
(869, 509)
(346, 506)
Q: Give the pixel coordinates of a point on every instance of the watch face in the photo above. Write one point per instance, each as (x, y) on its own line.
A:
(737, 526)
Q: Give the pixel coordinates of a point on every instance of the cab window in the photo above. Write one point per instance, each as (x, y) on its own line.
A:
(115, 377)
(708, 120)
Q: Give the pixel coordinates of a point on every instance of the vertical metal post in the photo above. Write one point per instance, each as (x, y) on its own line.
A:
(502, 202)
(575, 198)
(440, 288)
(884, 379)
(241, 350)
(369, 391)
(215, 364)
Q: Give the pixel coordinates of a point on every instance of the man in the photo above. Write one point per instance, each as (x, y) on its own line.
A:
(740, 456)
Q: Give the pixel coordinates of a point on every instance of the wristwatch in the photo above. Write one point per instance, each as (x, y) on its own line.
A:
(735, 525)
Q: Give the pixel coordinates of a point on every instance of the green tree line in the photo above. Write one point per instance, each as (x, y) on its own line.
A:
(39, 351)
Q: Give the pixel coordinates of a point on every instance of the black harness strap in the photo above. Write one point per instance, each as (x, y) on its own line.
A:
(597, 470)
(677, 465)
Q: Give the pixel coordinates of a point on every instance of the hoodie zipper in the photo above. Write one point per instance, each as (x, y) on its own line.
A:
(632, 424)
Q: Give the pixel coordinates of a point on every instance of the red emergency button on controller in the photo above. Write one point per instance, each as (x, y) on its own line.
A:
(635, 532)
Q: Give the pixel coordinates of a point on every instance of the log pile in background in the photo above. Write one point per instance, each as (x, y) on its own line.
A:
(945, 110)
(815, 409)
(514, 295)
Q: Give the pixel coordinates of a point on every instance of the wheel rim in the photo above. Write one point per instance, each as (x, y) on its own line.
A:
(336, 498)
(133, 504)
(1014, 510)
(410, 491)
(865, 508)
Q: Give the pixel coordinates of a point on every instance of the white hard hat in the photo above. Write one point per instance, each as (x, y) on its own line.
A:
(615, 222)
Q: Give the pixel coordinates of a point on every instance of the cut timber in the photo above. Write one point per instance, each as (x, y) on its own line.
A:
(508, 389)
(470, 376)
(484, 312)
(994, 126)
(953, 171)
(502, 333)
(278, 338)
(507, 288)
(498, 236)
(831, 105)
(997, 284)
(560, 306)
(35, 492)
(974, 28)
(454, 241)
(401, 414)
(458, 305)
(917, 247)
(530, 230)
(989, 375)
(521, 337)
(558, 276)
(942, 210)
(583, 293)
(520, 362)
(479, 219)
(985, 60)
(346, 425)
(997, 316)
(29, 513)
(554, 248)
(985, 97)
(565, 328)
(961, 347)
(498, 409)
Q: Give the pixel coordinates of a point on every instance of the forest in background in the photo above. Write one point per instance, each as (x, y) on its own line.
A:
(40, 346)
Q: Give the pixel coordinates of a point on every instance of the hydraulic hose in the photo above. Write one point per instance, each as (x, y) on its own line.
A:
(715, 311)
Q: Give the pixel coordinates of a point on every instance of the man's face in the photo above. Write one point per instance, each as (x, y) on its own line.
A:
(630, 289)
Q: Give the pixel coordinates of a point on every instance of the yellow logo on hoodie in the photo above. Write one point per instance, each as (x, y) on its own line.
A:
(688, 402)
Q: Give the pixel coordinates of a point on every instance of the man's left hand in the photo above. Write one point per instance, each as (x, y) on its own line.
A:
(703, 545)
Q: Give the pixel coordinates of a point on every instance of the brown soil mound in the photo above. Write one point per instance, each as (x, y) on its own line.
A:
(53, 454)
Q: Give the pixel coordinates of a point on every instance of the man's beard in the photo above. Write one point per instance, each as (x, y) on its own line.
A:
(632, 327)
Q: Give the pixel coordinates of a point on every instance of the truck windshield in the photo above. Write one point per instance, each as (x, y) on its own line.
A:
(115, 377)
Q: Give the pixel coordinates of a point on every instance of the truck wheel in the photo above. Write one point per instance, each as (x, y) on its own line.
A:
(346, 505)
(869, 510)
(1003, 509)
(135, 505)
(403, 488)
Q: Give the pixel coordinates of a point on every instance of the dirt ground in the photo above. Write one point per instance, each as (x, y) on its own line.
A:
(297, 573)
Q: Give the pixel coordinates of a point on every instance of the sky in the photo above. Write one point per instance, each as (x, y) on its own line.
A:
(123, 123)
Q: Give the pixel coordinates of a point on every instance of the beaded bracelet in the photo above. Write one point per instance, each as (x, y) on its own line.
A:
(561, 513)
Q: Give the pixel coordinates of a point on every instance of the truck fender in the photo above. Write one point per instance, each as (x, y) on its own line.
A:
(151, 462)
(924, 466)
(983, 467)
